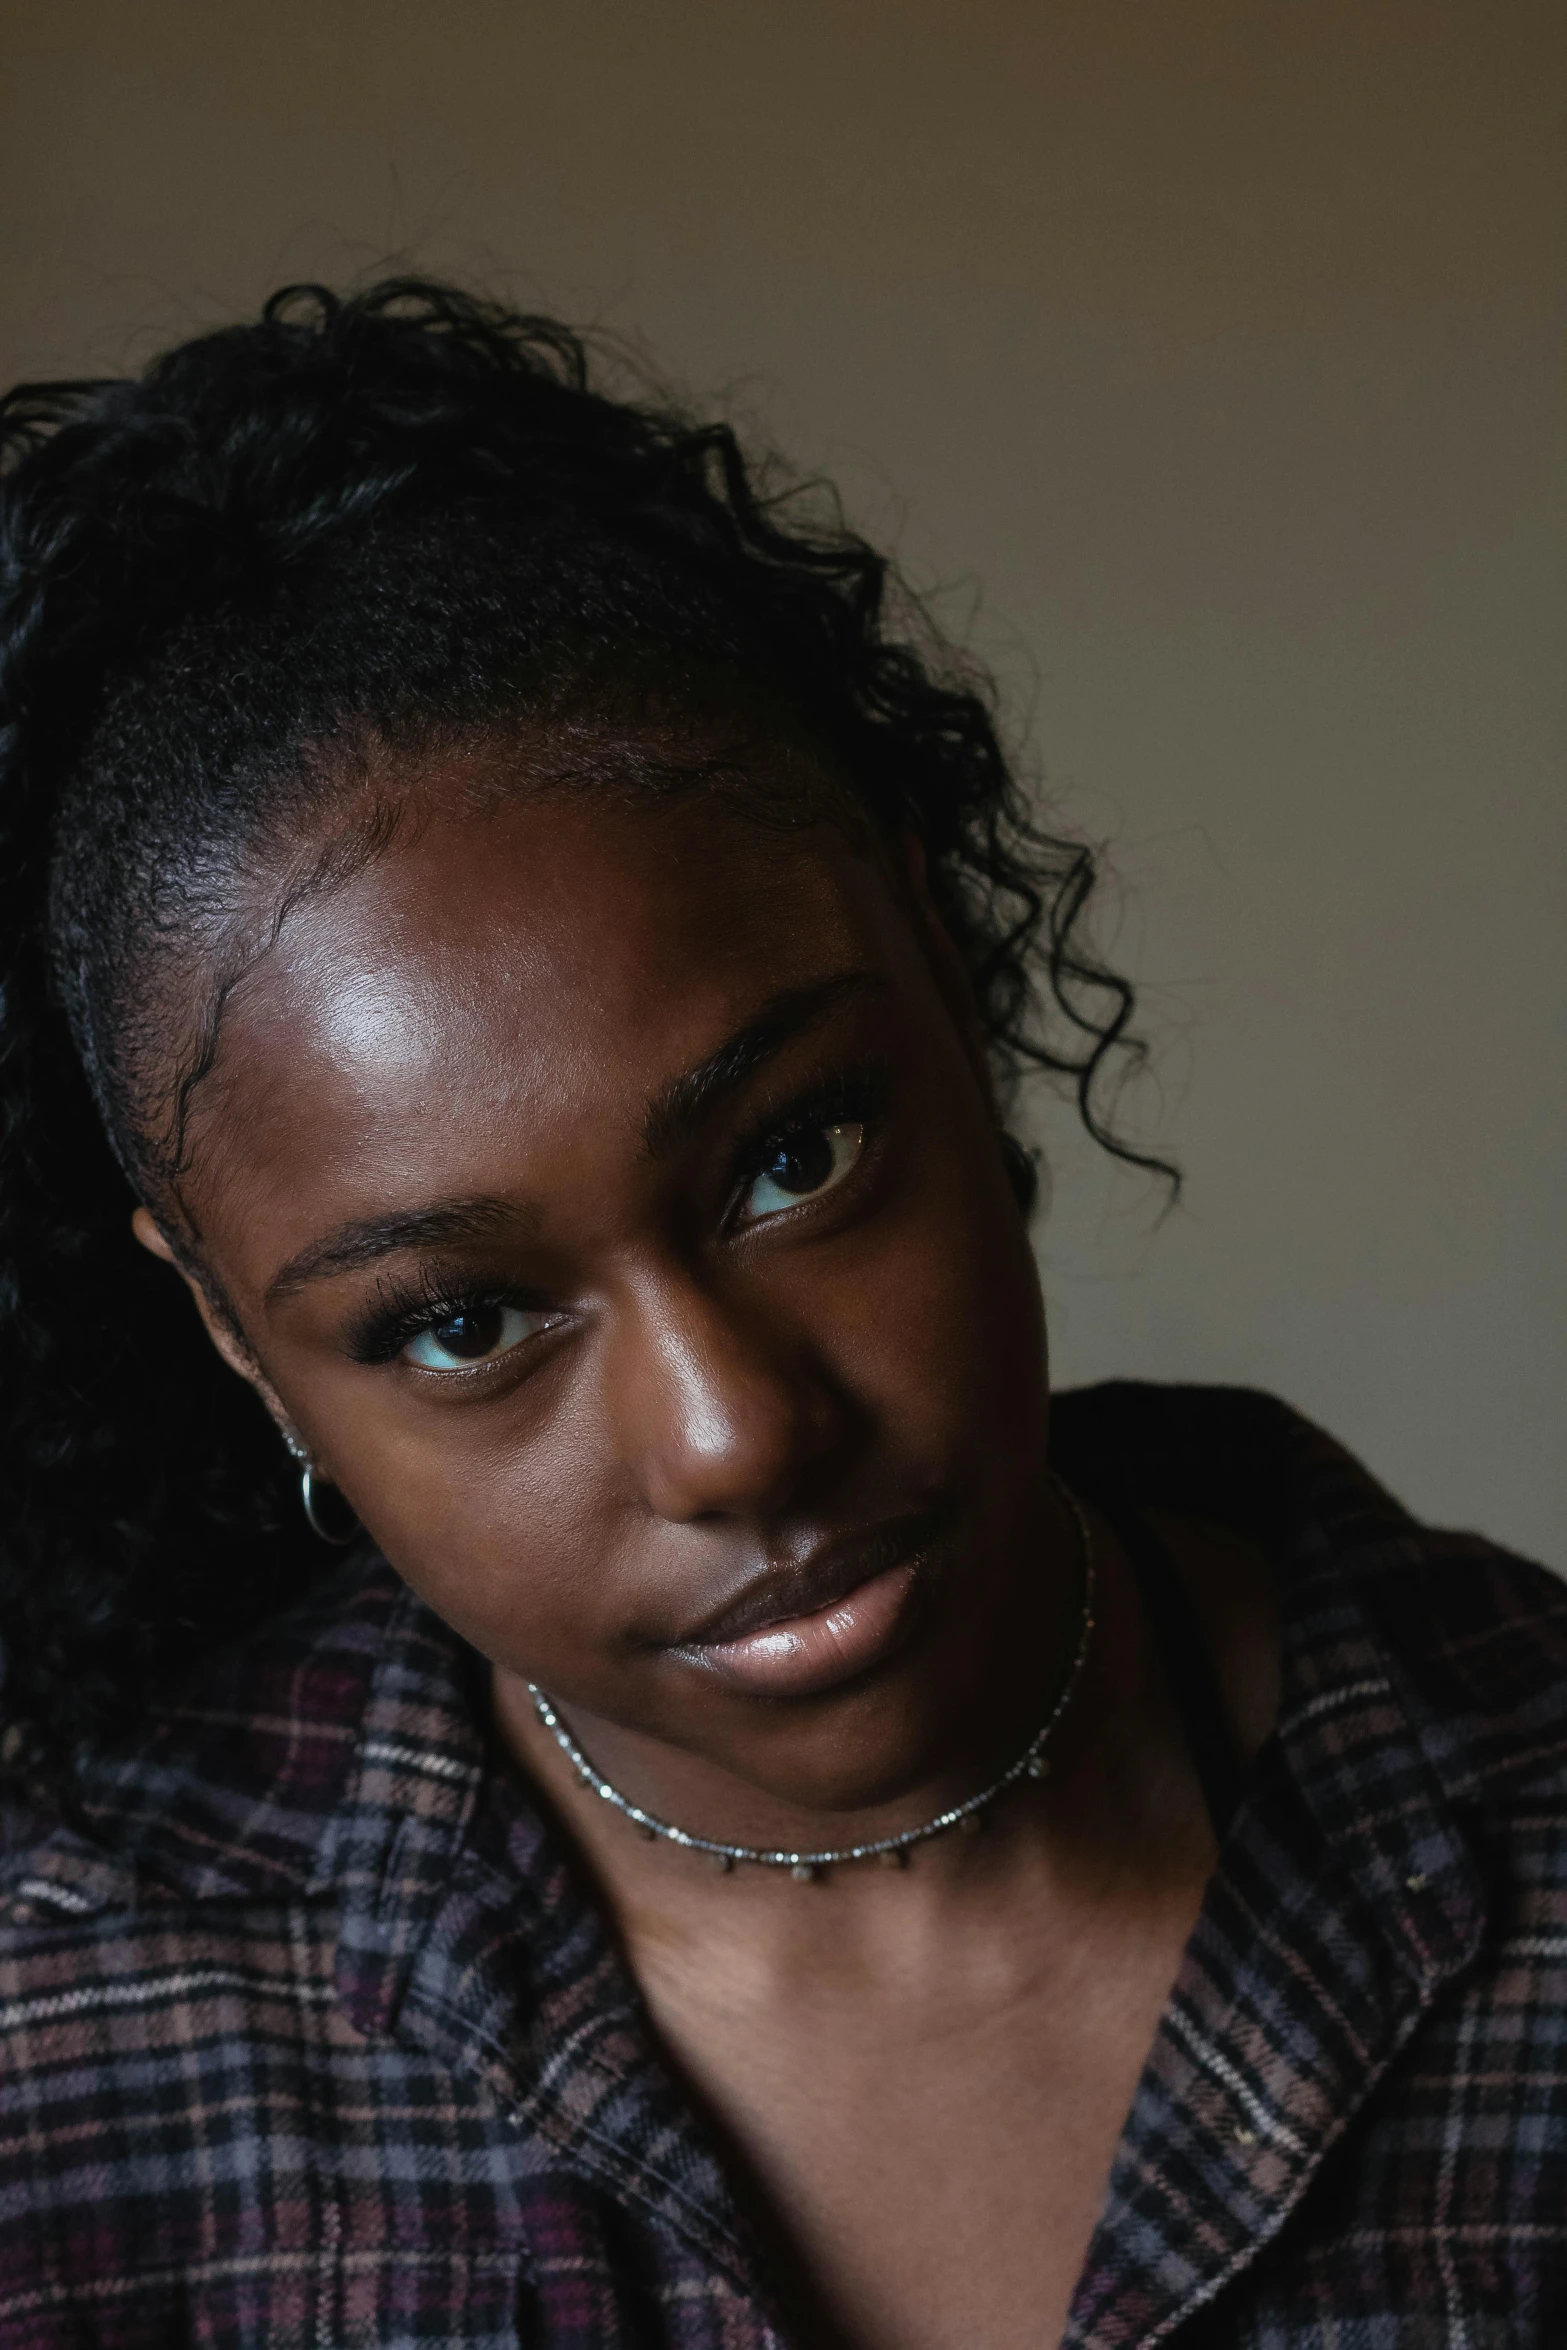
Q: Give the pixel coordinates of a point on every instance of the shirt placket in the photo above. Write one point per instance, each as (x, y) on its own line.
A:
(1346, 1900)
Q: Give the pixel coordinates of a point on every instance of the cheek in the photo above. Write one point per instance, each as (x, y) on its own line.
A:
(507, 1520)
(941, 1316)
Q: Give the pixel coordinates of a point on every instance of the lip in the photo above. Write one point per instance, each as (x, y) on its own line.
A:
(823, 1620)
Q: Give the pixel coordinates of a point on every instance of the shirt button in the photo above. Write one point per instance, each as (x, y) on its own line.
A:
(1416, 1883)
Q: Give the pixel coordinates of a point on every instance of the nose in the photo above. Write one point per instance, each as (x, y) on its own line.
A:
(718, 1415)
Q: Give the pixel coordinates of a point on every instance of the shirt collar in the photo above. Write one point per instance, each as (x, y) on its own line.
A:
(1346, 1897)
(467, 1931)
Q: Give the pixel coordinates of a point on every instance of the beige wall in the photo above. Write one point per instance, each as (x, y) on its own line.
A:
(1220, 343)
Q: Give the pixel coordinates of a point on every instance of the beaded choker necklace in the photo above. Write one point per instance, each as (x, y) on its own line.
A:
(890, 1851)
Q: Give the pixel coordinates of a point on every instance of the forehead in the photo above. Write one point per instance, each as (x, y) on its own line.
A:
(534, 968)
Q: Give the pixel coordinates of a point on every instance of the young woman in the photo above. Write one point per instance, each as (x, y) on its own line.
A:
(767, 1830)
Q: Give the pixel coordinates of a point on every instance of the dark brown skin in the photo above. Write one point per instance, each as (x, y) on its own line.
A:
(922, 2074)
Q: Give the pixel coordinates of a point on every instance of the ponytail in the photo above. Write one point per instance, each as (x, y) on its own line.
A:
(144, 1508)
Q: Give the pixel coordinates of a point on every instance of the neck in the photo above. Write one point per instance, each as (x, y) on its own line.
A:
(1103, 1807)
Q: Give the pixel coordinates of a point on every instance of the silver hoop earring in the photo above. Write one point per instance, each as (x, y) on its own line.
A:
(309, 1495)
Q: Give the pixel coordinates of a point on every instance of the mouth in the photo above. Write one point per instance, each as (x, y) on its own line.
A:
(795, 1630)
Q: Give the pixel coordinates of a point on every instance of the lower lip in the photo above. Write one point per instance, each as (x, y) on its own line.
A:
(803, 1654)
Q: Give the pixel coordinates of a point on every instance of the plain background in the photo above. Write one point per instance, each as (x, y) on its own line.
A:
(1205, 359)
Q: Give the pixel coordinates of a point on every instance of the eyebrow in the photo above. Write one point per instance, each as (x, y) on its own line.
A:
(681, 1107)
(368, 1238)
(673, 1116)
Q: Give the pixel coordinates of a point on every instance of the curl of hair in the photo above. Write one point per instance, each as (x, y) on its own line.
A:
(188, 598)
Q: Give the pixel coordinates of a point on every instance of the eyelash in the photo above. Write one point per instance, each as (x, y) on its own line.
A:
(856, 1096)
(404, 1310)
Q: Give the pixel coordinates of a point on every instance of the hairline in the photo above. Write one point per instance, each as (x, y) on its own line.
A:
(385, 818)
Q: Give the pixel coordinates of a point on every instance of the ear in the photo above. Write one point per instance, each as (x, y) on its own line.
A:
(224, 1336)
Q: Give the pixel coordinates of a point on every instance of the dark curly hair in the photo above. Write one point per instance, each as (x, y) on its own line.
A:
(381, 517)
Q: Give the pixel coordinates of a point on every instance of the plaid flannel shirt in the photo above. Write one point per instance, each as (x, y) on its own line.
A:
(313, 2039)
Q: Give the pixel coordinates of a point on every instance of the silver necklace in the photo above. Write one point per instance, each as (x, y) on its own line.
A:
(891, 1851)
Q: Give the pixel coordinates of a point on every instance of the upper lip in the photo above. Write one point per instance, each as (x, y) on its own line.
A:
(801, 1587)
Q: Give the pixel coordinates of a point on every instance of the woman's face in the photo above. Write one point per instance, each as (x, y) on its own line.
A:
(610, 1195)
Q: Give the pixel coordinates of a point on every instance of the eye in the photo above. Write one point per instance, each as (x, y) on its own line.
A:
(472, 1335)
(801, 1164)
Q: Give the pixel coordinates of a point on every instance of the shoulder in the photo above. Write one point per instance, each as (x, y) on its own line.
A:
(1483, 1635)
(234, 1781)
(1477, 1636)
(170, 1954)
